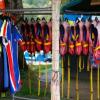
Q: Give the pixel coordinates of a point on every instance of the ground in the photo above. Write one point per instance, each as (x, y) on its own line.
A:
(84, 85)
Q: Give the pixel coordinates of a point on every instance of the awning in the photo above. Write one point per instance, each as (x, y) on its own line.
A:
(80, 5)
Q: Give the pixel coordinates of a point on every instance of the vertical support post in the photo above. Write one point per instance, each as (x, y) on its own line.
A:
(39, 81)
(13, 97)
(23, 61)
(98, 83)
(62, 77)
(55, 82)
(46, 73)
(29, 80)
(77, 82)
(68, 86)
(91, 84)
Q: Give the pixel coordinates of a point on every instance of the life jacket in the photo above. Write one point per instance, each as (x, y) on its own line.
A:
(50, 30)
(38, 38)
(32, 27)
(62, 45)
(28, 46)
(22, 45)
(71, 41)
(47, 43)
(26, 33)
(32, 46)
(85, 44)
(78, 44)
(92, 45)
(96, 51)
(63, 39)
(27, 28)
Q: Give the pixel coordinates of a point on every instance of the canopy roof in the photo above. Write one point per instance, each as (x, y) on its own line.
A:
(80, 5)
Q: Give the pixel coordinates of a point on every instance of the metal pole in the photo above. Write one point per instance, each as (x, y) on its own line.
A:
(13, 97)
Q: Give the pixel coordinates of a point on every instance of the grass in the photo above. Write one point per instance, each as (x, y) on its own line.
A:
(25, 92)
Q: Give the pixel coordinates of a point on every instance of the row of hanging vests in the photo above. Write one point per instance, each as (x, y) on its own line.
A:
(77, 39)
(9, 68)
(36, 36)
(82, 38)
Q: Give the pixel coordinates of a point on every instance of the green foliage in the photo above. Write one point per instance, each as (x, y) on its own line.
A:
(36, 3)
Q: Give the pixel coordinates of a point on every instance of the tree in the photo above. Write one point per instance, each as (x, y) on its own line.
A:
(55, 82)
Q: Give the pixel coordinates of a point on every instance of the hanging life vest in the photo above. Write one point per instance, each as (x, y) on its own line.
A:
(38, 39)
(32, 46)
(96, 51)
(71, 41)
(22, 45)
(47, 42)
(78, 44)
(63, 40)
(85, 44)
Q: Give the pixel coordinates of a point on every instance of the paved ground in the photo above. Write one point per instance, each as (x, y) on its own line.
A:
(84, 87)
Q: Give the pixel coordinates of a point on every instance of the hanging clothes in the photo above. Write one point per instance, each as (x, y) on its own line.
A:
(85, 41)
(10, 39)
(46, 39)
(16, 37)
(38, 37)
(8, 47)
(32, 28)
(71, 41)
(63, 38)
(93, 42)
(22, 30)
(78, 43)
(97, 43)
(1, 67)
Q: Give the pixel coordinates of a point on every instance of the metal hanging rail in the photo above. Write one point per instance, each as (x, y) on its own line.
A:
(44, 11)
(29, 11)
(81, 12)
(26, 10)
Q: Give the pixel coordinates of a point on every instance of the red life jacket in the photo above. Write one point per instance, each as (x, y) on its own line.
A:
(78, 43)
(47, 46)
(28, 46)
(32, 47)
(96, 52)
(71, 48)
(50, 30)
(85, 43)
(46, 38)
(71, 41)
(38, 43)
(38, 38)
(23, 45)
(63, 48)
(63, 38)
